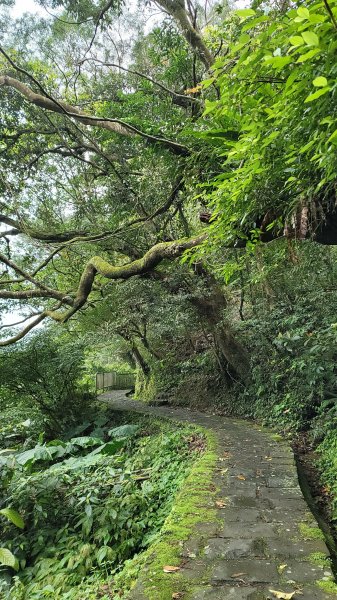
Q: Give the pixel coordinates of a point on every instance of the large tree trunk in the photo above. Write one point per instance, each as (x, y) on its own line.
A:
(140, 360)
(232, 357)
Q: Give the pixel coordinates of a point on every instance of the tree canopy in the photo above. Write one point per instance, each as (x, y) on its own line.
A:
(132, 137)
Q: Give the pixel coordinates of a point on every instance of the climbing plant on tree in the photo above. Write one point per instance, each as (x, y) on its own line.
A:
(275, 123)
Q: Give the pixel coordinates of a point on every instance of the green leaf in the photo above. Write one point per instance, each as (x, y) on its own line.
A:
(333, 137)
(123, 431)
(317, 18)
(317, 94)
(310, 38)
(326, 121)
(320, 82)
(254, 22)
(8, 559)
(207, 82)
(111, 448)
(293, 75)
(308, 55)
(307, 146)
(13, 516)
(277, 61)
(24, 457)
(296, 40)
(303, 12)
(210, 106)
(245, 12)
(86, 441)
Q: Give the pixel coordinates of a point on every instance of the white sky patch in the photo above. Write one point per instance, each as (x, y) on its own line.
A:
(23, 6)
(242, 4)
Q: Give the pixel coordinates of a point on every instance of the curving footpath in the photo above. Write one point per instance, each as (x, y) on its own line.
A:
(265, 538)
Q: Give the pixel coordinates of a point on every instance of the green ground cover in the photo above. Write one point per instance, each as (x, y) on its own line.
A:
(90, 503)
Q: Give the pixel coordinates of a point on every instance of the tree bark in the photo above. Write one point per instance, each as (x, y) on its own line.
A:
(114, 125)
(140, 360)
(232, 356)
(177, 10)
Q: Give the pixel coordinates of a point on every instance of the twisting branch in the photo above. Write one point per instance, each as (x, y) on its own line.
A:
(72, 237)
(332, 16)
(19, 322)
(98, 20)
(114, 125)
(150, 260)
(44, 289)
(29, 293)
(179, 99)
(45, 236)
(24, 331)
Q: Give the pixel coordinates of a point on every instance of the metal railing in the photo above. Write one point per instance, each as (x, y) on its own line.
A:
(114, 381)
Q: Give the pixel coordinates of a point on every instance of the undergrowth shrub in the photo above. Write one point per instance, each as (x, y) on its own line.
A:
(44, 373)
(290, 331)
(192, 381)
(293, 369)
(90, 504)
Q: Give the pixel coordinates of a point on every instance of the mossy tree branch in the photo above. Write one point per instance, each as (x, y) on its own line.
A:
(98, 266)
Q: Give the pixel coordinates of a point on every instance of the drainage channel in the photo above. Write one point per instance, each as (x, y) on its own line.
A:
(323, 523)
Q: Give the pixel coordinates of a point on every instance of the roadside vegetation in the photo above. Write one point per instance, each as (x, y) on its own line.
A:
(168, 209)
(86, 504)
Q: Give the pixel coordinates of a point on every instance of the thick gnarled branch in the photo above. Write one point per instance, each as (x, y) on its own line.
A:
(150, 260)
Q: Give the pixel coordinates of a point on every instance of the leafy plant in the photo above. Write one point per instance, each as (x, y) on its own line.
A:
(90, 504)
(8, 559)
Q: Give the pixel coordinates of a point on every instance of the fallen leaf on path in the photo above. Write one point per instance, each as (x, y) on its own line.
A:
(241, 477)
(220, 503)
(170, 569)
(282, 595)
(281, 568)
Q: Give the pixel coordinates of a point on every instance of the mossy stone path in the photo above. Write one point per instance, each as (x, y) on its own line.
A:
(264, 537)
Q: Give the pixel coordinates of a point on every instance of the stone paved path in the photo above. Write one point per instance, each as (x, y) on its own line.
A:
(262, 540)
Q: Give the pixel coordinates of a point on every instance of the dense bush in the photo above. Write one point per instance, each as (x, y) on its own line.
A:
(45, 373)
(88, 505)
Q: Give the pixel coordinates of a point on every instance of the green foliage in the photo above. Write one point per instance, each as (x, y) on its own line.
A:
(46, 371)
(328, 464)
(13, 516)
(264, 145)
(277, 92)
(85, 515)
(21, 421)
(291, 337)
(7, 559)
(82, 10)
